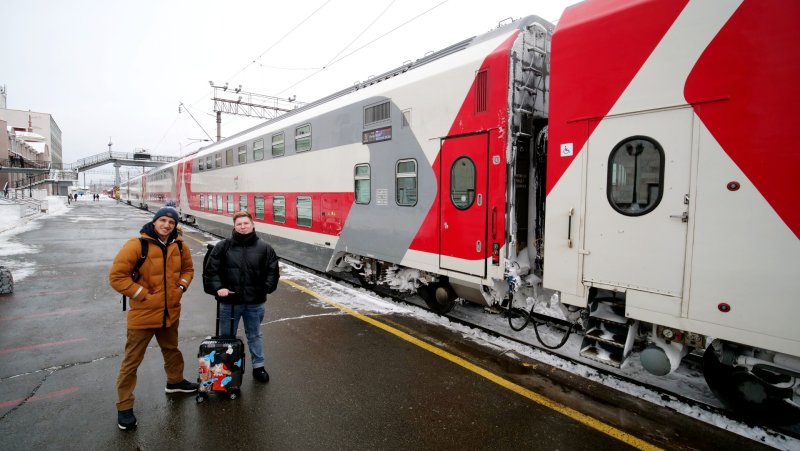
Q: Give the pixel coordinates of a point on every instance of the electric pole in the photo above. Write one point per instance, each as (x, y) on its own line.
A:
(250, 104)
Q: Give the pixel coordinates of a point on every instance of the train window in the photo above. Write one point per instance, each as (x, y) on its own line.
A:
(302, 138)
(199, 164)
(376, 113)
(230, 204)
(218, 160)
(304, 211)
(258, 150)
(242, 154)
(279, 209)
(635, 176)
(462, 183)
(362, 184)
(277, 145)
(219, 203)
(210, 202)
(243, 202)
(228, 157)
(259, 200)
(208, 162)
(202, 202)
(406, 182)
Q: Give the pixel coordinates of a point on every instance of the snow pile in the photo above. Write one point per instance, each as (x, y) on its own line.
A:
(361, 300)
(55, 205)
(9, 249)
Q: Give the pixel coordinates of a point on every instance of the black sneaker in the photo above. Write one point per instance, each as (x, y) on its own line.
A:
(126, 420)
(183, 386)
(261, 375)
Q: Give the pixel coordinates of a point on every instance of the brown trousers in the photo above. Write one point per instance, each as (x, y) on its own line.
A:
(135, 347)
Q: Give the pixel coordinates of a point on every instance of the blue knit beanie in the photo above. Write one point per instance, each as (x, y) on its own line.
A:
(167, 211)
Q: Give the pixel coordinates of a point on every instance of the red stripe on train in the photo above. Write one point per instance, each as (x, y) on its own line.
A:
(756, 123)
(467, 121)
(598, 47)
(328, 215)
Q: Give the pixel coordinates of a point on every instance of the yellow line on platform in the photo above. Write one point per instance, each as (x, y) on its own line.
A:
(522, 391)
(185, 235)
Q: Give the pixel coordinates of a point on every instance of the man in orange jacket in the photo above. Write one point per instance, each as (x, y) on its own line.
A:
(155, 305)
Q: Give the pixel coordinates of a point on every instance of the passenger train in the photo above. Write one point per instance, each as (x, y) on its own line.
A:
(636, 159)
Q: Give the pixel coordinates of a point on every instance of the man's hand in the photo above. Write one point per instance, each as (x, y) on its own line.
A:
(224, 292)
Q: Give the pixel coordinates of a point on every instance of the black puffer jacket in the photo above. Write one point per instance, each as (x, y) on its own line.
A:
(249, 268)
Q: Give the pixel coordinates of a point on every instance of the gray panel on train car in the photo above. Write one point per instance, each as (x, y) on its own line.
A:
(385, 231)
(381, 231)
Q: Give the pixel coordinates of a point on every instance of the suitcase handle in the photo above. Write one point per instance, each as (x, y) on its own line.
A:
(233, 332)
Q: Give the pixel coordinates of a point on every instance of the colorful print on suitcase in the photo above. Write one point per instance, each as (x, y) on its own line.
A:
(220, 366)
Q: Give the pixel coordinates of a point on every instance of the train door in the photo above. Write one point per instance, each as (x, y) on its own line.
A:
(463, 197)
(637, 186)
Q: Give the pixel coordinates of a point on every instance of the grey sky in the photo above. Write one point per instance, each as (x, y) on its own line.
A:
(119, 69)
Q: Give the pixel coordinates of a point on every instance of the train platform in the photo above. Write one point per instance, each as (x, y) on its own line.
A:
(348, 370)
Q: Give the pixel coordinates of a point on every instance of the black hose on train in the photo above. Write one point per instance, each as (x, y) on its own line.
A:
(528, 315)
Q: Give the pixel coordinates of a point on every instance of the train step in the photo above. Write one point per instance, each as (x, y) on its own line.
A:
(610, 335)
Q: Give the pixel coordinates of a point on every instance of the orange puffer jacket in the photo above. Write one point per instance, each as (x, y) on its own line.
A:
(155, 299)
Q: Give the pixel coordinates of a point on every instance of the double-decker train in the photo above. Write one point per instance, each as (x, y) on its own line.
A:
(637, 159)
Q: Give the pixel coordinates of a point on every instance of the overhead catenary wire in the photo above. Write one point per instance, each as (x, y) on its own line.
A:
(174, 121)
(335, 59)
(255, 60)
(360, 34)
(198, 123)
(331, 63)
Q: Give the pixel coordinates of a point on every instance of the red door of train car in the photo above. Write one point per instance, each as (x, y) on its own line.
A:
(463, 197)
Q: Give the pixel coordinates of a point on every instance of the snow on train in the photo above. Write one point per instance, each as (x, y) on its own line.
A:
(656, 135)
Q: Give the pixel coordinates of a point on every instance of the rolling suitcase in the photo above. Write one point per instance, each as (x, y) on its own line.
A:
(220, 365)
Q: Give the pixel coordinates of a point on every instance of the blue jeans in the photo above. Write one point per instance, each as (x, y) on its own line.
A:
(253, 315)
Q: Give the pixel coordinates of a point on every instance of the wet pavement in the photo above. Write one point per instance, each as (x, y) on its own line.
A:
(337, 380)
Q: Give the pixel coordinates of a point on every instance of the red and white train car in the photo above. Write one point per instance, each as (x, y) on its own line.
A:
(670, 219)
(669, 183)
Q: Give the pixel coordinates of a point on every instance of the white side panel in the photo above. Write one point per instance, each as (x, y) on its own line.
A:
(562, 261)
(744, 254)
(461, 265)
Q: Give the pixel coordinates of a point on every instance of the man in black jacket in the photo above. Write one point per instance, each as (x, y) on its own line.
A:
(242, 270)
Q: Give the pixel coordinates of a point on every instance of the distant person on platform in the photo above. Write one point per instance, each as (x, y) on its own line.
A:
(155, 305)
(241, 271)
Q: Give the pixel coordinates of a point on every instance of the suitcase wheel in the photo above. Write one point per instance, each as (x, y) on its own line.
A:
(233, 394)
(200, 398)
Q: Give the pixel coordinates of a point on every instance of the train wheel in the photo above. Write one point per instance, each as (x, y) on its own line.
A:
(438, 297)
(364, 280)
(761, 397)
